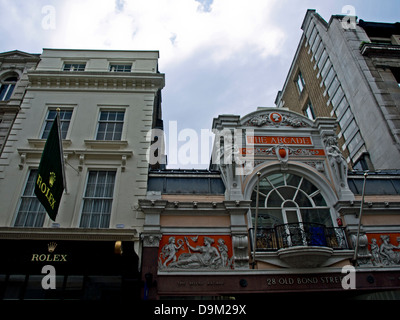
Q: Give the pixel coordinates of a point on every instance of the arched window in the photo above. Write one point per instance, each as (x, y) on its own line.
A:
(7, 87)
(286, 198)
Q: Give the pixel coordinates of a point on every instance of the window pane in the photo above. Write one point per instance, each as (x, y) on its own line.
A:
(274, 200)
(287, 193)
(120, 116)
(65, 117)
(308, 187)
(320, 216)
(319, 200)
(292, 180)
(104, 115)
(31, 213)
(276, 180)
(97, 204)
(302, 200)
(110, 125)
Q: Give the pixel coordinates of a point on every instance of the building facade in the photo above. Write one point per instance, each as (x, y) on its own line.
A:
(108, 102)
(350, 71)
(14, 67)
(285, 222)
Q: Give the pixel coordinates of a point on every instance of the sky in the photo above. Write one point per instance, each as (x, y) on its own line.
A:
(218, 56)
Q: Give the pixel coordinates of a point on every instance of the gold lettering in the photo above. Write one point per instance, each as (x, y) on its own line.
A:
(51, 200)
(49, 257)
(39, 180)
(46, 191)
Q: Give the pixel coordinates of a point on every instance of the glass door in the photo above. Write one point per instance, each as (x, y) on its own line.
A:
(294, 227)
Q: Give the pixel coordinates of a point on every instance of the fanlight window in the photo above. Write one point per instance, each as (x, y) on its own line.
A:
(287, 198)
(7, 87)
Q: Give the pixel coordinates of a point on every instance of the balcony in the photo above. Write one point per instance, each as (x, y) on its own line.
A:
(301, 245)
(379, 49)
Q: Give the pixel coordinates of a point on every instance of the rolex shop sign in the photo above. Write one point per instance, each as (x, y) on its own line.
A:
(49, 255)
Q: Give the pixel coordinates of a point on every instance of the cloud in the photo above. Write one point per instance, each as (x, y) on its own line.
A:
(177, 28)
(205, 5)
(119, 5)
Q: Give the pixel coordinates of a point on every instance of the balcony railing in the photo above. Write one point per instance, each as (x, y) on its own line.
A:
(299, 234)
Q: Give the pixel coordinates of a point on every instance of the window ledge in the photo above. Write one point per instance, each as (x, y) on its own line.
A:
(106, 144)
(39, 143)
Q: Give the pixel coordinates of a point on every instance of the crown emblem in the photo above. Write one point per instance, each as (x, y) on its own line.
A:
(52, 246)
(52, 179)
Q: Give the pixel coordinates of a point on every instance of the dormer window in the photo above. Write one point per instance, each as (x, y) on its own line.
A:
(7, 87)
(74, 67)
(120, 67)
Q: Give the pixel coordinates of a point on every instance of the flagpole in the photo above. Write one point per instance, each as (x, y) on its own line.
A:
(256, 220)
(359, 217)
(61, 148)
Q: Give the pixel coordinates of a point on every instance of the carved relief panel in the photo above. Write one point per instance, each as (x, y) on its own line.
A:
(195, 252)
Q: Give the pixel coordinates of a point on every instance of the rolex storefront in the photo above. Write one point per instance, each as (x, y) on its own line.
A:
(68, 270)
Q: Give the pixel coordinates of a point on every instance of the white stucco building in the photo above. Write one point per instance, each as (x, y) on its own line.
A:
(109, 101)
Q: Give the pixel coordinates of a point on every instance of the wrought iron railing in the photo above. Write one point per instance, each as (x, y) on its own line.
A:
(299, 234)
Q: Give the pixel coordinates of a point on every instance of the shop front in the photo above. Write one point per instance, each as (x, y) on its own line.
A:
(68, 270)
(250, 285)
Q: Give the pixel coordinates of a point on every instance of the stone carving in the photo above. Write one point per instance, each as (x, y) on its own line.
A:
(363, 256)
(385, 255)
(240, 244)
(262, 151)
(276, 119)
(192, 253)
(151, 240)
(336, 160)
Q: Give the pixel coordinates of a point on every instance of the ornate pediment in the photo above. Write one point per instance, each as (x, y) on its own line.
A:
(276, 118)
(16, 55)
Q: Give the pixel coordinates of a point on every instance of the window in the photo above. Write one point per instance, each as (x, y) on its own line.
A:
(350, 130)
(282, 195)
(322, 59)
(355, 144)
(396, 74)
(110, 125)
(360, 165)
(120, 67)
(326, 68)
(7, 87)
(98, 198)
(309, 111)
(337, 97)
(329, 77)
(74, 67)
(345, 118)
(65, 117)
(300, 82)
(31, 213)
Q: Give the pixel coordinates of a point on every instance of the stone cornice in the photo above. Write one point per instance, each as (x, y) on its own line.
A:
(86, 80)
(68, 234)
(193, 207)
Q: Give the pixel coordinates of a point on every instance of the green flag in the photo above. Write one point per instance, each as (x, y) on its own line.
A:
(50, 181)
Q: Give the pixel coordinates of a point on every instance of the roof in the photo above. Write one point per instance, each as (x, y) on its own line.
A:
(186, 182)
